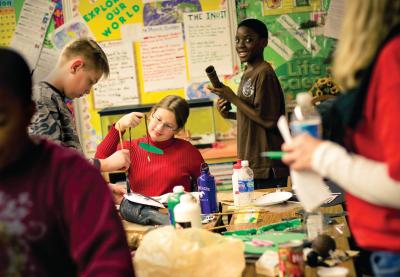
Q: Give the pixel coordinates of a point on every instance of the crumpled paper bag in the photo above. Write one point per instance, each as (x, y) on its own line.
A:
(188, 252)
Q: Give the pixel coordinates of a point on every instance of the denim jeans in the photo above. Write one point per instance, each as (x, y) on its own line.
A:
(385, 264)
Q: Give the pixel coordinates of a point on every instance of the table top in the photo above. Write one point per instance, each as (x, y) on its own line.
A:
(268, 215)
(288, 210)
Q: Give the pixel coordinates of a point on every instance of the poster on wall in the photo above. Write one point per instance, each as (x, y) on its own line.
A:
(73, 29)
(31, 29)
(7, 24)
(163, 57)
(120, 88)
(208, 42)
(297, 48)
(274, 7)
(105, 18)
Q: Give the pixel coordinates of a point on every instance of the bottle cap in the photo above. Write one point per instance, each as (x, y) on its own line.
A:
(204, 168)
(178, 189)
(245, 163)
(303, 99)
(238, 164)
(186, 198)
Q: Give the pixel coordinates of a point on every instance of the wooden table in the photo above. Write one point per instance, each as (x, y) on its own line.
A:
(277, 213)
(273, 214)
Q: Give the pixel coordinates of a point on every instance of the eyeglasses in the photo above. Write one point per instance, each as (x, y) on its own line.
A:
(164, 125)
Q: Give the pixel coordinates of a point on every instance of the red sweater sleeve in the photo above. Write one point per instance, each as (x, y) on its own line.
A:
(197, 160)
(109, 144)
(94, 230)
(388, 102)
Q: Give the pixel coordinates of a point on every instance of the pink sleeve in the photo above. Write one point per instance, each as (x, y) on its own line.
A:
(388, 106)
(96, 237)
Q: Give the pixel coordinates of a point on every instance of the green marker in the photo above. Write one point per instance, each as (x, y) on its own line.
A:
(272, 154)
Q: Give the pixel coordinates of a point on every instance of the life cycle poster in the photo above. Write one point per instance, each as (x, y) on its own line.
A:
(298, 48)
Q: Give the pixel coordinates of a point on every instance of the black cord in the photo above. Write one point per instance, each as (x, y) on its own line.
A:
(128, 184)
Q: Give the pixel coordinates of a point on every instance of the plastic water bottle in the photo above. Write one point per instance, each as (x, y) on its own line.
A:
(207, 191)
(314, 224)
(174, 200)
(235, 182)
(246, 184)
(187, 213)
(305, 118)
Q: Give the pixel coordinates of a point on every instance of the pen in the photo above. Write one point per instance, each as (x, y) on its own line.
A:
(272, 154)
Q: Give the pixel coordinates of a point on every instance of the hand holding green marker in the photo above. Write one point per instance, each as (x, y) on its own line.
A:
(274, 155)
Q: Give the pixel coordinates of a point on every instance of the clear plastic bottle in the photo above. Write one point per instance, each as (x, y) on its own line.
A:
(246, 184)
(314, 224)
(305, 118)
(187, 213)
(174, 200)
(235, 182)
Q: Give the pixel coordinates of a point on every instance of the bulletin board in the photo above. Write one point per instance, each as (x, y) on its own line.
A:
(132, 33)
(298, 47)
(172, 41)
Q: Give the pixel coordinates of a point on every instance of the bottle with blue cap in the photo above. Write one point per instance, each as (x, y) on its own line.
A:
(305, 119)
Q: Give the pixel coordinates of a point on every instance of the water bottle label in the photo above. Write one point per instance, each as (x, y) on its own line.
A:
(208, 201)
(312, 129)
(246, 186)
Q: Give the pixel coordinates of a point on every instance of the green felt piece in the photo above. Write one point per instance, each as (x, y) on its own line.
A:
(150, 148)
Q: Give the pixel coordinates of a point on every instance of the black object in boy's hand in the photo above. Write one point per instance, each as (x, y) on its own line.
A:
(213, 77)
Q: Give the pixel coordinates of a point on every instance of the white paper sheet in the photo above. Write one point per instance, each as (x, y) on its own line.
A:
(309, 187)
(334, 19)
(48, 59)
(163, 57)
(120, 88)
(31, 29)
(208, 42)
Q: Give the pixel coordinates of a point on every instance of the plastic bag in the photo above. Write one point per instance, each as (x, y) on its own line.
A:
(188, 252)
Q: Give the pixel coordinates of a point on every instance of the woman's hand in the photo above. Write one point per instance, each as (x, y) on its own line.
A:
(299, 152)
(130, 120)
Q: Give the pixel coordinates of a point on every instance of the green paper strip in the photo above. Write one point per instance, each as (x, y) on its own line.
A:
(150, 148)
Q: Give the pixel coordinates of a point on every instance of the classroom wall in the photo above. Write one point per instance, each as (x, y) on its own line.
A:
(298, 47)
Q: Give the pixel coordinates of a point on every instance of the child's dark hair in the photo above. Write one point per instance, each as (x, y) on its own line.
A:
(177, 105)
(256, 25)
(15, 75)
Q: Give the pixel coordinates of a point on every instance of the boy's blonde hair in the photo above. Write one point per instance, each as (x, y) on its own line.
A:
(94, 56)
(365, 26)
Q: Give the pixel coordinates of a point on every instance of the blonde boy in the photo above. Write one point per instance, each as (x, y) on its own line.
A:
(81, 64)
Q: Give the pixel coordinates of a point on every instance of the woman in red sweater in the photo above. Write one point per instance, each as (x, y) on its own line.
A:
(367, 65)
(180, 163)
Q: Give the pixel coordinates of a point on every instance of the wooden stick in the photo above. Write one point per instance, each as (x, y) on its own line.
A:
(242, 212)
(120, 136)
(148, 136)
(218, 227)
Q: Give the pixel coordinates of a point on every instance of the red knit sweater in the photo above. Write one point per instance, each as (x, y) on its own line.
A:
(377, 137)
(179, 165)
